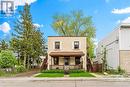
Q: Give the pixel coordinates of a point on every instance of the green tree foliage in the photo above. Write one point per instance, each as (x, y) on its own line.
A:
(7, 59)
(20, 68)
(104, 63)
(76, 24)
(27, 39)
(3, 45)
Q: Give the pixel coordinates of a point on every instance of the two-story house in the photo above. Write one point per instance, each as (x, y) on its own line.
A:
(67, 52)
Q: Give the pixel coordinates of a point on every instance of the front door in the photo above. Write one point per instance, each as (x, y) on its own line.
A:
(66, 61)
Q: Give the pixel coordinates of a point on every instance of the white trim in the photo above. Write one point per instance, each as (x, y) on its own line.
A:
(79, 44)
(54, 44)
(72, 45)
(60, 45)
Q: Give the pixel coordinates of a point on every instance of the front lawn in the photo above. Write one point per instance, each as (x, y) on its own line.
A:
(82, 74)
(50, 75)
(60, 73)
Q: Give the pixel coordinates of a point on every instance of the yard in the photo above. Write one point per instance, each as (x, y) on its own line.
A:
(27, 73)
(60, 73)
(82, 74)
(50, 75)
(3, 74)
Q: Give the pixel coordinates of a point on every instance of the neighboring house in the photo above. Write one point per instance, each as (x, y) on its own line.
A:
(117, 46)
(66, 52)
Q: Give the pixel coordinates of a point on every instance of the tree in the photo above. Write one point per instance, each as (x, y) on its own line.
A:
(76, 24)
(16, 47)
(3, 45)
(27, 39)
(7, 59)
(104, 60)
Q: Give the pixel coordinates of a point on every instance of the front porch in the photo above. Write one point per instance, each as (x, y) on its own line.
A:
(66, 62)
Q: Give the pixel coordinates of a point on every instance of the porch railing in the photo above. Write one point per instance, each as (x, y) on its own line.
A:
(65, 66)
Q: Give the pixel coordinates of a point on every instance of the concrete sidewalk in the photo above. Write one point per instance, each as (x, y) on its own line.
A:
(65, 79)
(64, 82)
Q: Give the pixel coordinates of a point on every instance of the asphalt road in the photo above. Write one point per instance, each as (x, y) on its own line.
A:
(34, 82)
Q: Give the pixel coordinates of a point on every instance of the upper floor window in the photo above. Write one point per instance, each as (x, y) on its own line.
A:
(57, 45)
(76, 44)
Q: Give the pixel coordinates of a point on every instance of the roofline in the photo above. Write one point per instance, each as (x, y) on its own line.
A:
(107, 35)
(116, 28)
(67, 36)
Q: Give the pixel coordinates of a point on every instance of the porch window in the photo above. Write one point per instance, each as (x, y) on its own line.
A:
(76, 44)
(57, 45)
(56, 61)
(77, 60)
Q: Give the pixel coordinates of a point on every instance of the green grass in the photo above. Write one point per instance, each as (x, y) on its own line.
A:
(3, 74)
(82, 74)
(50, 75)
(60, 73)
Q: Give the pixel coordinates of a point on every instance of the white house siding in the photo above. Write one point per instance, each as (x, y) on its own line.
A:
(125, 39)
(112, 49)
(112, 56)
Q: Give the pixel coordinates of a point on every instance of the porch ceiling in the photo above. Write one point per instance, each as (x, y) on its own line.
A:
(80, 53)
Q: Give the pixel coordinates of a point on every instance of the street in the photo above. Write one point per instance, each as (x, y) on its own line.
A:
(64, 82)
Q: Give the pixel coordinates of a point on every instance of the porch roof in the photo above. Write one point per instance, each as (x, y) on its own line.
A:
(67, 53)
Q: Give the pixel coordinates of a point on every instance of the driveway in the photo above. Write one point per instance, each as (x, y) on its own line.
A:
(64, 82)
(28, 73)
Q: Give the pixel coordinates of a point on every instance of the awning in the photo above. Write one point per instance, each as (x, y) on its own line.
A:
(80, 53)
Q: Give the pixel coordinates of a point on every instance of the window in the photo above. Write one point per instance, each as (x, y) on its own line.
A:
(56, 61)
(76, 44)
(77, 60)
(57, 45)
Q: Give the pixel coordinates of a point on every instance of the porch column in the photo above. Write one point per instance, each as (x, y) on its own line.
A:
(48, 61)
(84, 63)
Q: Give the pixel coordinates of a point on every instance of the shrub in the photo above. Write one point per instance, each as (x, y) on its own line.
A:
(121, 71)
(20, 68)
(7, 59)
(53, 71)
(2, 72)
(62, 71)
(116, 71)
(112, 71)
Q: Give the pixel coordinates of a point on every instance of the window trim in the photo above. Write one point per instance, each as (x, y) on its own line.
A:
(78, 45)
(55, 45)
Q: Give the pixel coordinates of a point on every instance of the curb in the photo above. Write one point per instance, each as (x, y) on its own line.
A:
(67, 79)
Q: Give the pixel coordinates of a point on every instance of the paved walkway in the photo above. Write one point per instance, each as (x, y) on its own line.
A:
(64, 82)
(98, 75)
